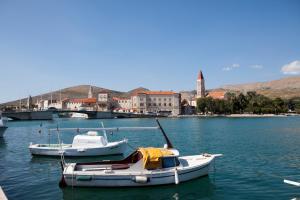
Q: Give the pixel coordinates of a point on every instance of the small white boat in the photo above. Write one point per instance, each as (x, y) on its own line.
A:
(2, 126)
(90, 144)
(144, 167)
(79, 115)
(294, 183)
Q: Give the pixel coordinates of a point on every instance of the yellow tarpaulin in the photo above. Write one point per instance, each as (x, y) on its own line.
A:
(152, 157)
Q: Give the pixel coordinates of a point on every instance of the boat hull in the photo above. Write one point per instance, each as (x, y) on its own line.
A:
(118, 148)
(130, 180)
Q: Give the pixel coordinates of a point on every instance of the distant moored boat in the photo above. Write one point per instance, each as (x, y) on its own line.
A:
(2, 126)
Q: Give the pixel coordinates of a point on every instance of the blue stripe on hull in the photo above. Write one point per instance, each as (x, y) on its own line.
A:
(126, 179)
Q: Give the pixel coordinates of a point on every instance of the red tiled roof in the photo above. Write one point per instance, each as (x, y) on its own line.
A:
(120, 98)
(83, 100)
(217, 94)
(200, 76)
(155, 93)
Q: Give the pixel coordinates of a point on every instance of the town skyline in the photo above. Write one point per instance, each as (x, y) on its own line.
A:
(107, 45)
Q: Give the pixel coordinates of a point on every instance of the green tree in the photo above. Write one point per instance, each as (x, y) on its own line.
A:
(210, 104)
(242, 102)
(279, 105)
(201, 105)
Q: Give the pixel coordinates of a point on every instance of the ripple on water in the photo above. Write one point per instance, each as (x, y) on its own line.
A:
(258, 154)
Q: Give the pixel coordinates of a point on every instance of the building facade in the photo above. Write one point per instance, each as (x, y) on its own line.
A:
(46, 104)
(103, 97)
(81, 104)
(123, 104)
(156, 102)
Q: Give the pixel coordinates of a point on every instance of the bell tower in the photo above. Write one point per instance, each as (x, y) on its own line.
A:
(200, 85)
(90, 94)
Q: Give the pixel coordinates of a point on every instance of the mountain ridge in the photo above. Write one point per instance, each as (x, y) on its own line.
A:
(286, 88)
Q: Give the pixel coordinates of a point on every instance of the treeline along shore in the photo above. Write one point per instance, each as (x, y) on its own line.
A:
(251, 102)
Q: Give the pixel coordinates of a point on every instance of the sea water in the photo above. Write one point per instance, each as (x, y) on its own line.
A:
(258, 153)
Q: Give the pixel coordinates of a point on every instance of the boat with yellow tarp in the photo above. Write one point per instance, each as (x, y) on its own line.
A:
(144, 167)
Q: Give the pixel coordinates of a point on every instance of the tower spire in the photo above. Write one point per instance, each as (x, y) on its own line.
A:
(200, 75)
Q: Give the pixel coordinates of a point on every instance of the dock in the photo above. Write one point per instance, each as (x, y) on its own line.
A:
(48, 115)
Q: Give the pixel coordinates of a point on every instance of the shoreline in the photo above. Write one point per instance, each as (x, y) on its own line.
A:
(239, 115)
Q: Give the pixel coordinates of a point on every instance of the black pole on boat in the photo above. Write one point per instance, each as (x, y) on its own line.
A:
(165, 135)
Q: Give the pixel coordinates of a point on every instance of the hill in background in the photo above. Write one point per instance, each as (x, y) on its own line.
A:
(79, 91)
(285, 88)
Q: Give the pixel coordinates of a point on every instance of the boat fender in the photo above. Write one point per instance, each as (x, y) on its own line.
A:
(140, 179)
(176, 176)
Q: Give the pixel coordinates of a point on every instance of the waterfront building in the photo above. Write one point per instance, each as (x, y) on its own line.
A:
(200, 85)
(123, 104)
(81, 104)
(103, 97)
(103, 101)
(166, 102)
(46, 104)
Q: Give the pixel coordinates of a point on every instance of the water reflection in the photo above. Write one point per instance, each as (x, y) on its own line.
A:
(201, 188)
(2, 142)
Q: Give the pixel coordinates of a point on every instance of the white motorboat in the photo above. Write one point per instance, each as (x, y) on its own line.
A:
(79, 115)
(90, 144)
(2, 126)
(144, 167)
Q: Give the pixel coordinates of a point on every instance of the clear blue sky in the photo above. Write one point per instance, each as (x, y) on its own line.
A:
(160, 45)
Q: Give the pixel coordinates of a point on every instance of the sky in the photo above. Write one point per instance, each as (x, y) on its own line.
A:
(158, 44)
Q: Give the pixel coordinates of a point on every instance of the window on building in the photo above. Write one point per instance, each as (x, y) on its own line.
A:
(154, 104)
(141, 99)
(159, 104)
(165, 99)
(149, 104)
(159, 99)
(170, 104)
(170, 99)
(141, 104)
(165, 104)
(154, 99)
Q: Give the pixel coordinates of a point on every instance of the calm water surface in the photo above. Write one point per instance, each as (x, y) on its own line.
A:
(258, 154)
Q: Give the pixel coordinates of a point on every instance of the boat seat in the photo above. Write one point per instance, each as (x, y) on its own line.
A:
(119, 166)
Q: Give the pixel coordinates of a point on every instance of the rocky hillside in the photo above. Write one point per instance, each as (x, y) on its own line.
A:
(80, 91)
(285, 88)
